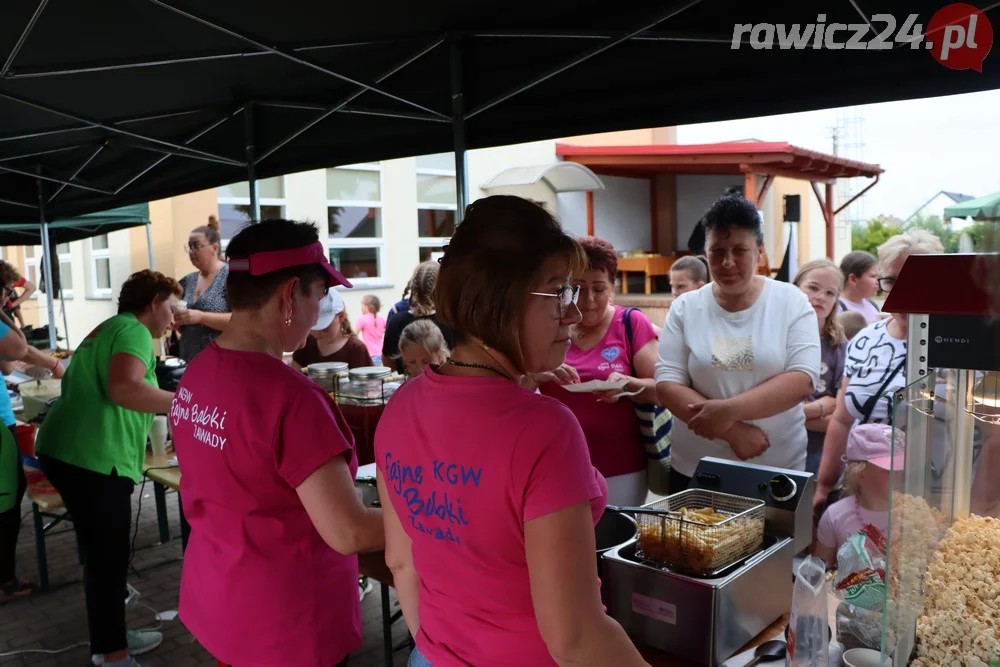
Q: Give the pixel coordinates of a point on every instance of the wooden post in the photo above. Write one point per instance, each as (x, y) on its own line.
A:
(590, 213)
(828, 215)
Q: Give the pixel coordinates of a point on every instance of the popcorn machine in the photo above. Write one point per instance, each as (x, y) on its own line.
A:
(942, 602)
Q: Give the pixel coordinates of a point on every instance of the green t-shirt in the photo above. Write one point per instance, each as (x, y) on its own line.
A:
(10, 458)
(85, 427)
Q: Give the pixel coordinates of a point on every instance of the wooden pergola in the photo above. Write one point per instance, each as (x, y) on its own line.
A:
(758, 161)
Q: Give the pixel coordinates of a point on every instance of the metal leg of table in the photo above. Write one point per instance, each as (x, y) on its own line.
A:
(160, 495)
(43, 562)
(185, 526)
(386, 625)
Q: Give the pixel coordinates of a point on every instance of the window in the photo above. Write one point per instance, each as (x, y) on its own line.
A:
(100, 266)
(437, 201)
(32, 266)
(354, 221)
(234, 205)
(65, 270)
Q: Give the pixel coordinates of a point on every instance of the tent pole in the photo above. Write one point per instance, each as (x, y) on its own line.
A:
(62, 302)
(149, 244)
(47, 265)
(251, 163)
(458, 128)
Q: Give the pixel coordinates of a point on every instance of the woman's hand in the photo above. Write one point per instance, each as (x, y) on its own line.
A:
(565, 374)
(747, 441)
(820, 496)
(711, 419)
(612, 395)
(187, 317)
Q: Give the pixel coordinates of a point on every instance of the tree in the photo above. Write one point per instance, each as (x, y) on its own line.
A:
(868, 236)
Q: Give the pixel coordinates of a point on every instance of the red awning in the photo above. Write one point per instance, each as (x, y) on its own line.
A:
(732, 157)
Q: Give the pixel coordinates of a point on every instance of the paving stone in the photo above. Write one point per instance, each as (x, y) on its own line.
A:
(57, 620)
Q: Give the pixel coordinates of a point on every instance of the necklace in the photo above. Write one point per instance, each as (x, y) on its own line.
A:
(485, 367)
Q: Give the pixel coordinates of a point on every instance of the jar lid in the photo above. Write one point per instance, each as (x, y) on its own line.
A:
(327, 367)
(369, 372)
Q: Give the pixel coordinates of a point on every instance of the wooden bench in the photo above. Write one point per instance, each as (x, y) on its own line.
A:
(158, 470)
(46, 506)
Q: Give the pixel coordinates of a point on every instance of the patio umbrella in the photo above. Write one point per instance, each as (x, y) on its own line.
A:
(981, 208)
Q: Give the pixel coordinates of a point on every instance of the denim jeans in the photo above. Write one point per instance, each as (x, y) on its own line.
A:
(417, 659)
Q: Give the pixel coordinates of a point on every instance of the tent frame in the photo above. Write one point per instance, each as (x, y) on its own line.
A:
(253, 154)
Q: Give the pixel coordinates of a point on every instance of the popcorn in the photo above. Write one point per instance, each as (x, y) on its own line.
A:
(960, 619)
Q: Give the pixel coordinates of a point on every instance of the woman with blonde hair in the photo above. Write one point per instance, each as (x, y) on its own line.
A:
(207, 311)
(875, 367)
(821, 281)
(422, 344)
(420, 306)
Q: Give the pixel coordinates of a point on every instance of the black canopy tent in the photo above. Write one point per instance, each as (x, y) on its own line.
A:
(111, 102)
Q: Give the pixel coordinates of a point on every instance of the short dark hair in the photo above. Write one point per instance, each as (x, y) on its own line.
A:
(734, 212)
(142, 288)
(857, 263)
(601, 255)
(248, 292)
(491, 264)
(8, 274)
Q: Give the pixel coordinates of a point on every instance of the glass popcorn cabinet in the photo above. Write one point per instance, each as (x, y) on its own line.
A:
(942, 600)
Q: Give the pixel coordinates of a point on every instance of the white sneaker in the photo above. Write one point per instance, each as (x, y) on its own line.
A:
(364, 587)
(139, 642)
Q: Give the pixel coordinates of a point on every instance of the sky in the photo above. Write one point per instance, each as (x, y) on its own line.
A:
(941, 143)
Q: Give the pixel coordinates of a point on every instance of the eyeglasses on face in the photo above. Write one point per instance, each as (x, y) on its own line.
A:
(885, 283)
(194, 247)
(567, 296)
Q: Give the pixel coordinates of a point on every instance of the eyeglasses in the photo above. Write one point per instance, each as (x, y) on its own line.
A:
(568, 295)
(885, 283)
(189, 248)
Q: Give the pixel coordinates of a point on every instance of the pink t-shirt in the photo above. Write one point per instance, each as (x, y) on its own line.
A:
(467, 461)
(845, 518)
(372, 330)
(260, 587)
(866, 308)
(611, 429)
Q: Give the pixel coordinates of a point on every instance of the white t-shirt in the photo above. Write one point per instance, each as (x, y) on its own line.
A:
(872, 357)
(721, 355)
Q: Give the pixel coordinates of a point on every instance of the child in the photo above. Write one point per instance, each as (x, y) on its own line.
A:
(422, 343)
(865, 499)
(688, 274)
(372, 327)
(852, 322)
(821, 281)
(860, 270)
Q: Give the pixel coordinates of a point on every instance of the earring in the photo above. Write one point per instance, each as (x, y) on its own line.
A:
(288, 320)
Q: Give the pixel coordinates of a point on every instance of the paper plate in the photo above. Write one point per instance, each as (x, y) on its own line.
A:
(595, 385)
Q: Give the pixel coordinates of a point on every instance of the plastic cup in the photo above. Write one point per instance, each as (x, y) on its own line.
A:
(865, 657)
(158, 435)
(181, 305)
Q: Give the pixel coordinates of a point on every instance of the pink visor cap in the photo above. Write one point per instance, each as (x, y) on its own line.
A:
(270, 261)
(872, 443)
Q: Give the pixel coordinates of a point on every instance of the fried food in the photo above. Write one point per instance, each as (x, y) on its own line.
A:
(697, 540)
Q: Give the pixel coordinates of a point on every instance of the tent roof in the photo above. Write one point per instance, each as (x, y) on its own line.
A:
(980, 208)
(73, 229)
(136, 100)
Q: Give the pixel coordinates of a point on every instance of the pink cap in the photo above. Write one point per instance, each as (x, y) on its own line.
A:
(270, 261)
(872, 443)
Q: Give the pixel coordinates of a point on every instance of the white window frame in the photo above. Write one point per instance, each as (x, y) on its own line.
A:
(33, 268)
(378, 242)
(435, 241)
(245, 201)
(98, 254)
(67, 259)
